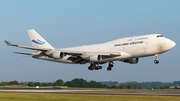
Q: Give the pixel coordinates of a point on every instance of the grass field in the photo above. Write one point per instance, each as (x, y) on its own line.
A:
(80, 97)
(65, 87)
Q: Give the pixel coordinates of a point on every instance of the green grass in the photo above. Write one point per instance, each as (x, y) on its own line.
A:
(64, 87)
(120, 89)
(45, 87)
(80, 97)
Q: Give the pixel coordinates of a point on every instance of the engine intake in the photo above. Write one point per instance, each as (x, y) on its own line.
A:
(95, 58)
(132, 60)
(58, 55)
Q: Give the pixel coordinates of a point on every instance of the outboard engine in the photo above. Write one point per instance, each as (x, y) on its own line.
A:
(132, 61)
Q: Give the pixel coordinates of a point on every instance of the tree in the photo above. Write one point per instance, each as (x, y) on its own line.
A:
(122, 86)
(77, 83)
(14, 82)
(135, 87)
(105, 86)
(140, 87)
(50, 84)
(37, 84)
(130, 86)
(44, 84)
(59, 83)
(114, 86)
(22, 83)
(83, 83)
(30, 84)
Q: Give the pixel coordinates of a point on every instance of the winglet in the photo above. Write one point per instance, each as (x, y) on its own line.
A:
(8, 43)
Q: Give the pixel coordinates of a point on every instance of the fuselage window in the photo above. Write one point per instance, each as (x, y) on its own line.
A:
(160, 36)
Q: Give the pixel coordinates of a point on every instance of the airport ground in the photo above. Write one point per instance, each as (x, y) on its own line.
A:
(9, 96)
(88, 95)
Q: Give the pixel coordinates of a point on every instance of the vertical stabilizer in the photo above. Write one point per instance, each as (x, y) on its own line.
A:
(37, 40)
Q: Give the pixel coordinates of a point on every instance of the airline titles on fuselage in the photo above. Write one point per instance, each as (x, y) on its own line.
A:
(131, 43)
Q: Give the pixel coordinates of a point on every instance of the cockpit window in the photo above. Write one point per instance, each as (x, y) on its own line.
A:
(160, 36)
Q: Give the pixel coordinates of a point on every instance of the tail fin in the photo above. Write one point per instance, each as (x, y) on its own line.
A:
(38, 41)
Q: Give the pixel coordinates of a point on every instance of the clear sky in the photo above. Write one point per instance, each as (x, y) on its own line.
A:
(68, 23)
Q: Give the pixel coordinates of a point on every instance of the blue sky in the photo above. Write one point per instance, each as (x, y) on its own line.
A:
(72, 23)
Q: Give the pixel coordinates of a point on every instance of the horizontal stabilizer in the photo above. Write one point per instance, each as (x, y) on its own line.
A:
(8, 43)
(26, 47)
(23, 53)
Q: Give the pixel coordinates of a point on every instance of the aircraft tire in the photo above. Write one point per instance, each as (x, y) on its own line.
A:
(109, 68)
(156, 61)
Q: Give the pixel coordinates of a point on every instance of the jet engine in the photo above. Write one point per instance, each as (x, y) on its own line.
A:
(58, 55)
(95, 58)
(132, 60)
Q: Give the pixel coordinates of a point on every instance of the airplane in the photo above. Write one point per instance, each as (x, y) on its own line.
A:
(127, 50)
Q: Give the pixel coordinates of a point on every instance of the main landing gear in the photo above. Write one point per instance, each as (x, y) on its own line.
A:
(94, 66)
(110, 66)
(156, 61)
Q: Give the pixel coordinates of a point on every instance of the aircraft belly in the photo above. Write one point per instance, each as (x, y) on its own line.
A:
(154, 49)
(137, 50)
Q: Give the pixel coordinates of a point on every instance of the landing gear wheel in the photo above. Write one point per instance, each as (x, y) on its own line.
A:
(96, 68)
(109, 68)
(90, 68)
(110, 65)
(100, 67)
(156, 61)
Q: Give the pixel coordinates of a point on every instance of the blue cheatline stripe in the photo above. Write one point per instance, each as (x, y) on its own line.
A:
(38, 42)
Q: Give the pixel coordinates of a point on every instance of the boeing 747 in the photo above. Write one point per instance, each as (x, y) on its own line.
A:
(127, 50)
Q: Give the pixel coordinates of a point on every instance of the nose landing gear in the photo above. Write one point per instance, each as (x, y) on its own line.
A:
(156, 61)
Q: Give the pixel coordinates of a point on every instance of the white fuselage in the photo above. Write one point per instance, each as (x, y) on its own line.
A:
(131, 47)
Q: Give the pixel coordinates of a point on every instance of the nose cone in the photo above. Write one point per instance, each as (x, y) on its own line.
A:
(170, 44)
(167, 45)
(173, 44)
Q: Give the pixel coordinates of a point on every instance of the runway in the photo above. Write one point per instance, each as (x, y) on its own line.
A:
(106, 92)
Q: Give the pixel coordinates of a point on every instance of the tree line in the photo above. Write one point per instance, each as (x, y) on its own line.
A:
(81, 83)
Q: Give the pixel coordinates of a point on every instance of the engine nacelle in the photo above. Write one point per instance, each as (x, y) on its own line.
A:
(132, 60)
(58, 55)
(95, 58)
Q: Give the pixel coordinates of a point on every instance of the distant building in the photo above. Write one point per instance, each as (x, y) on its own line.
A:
(172, 87)
(118, 84)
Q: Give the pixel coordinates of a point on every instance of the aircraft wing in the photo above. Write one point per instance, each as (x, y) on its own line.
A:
(74, 53)
(81, 53)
